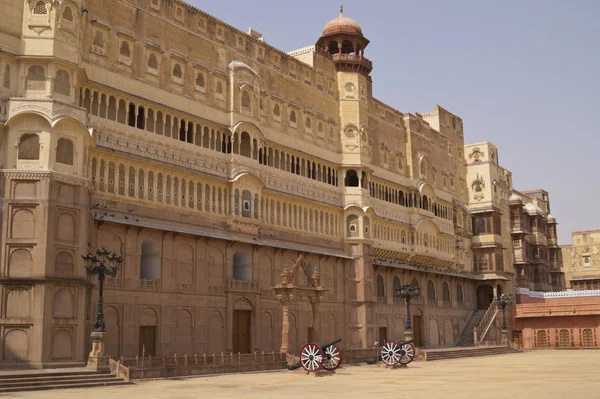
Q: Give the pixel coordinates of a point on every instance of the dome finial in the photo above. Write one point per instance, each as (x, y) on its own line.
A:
(342, 9)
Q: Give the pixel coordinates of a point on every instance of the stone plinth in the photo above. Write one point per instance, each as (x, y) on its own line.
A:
(97, 360)
(504, 336)
(408, 335)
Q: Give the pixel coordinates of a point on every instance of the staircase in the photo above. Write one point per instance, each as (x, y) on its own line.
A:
(466, 337)
(39, 380)
(455, 353)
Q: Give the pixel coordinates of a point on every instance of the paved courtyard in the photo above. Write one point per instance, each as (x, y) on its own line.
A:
(541, 374)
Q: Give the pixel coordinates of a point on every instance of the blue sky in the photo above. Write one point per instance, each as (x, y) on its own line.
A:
(522, 74)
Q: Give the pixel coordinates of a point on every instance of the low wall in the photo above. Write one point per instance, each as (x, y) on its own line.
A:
(182, 366)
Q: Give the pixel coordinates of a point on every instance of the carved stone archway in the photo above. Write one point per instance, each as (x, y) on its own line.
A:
(286, 290)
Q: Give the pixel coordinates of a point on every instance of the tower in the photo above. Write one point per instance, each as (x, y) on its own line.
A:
(343, 42)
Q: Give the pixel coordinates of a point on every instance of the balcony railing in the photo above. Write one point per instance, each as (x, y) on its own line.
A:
(149, 284)
(243, 286)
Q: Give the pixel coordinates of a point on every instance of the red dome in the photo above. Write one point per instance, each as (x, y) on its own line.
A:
(342, 24)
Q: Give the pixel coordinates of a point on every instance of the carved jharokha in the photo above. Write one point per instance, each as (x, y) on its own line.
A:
(286, 290)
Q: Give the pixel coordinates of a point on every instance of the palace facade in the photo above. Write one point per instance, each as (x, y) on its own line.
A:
(214, 162)
(581, 261)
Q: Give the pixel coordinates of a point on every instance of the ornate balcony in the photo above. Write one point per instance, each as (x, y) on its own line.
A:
(243, 286)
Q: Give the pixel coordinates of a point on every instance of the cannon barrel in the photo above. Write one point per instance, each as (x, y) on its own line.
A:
(410, 341)
(323, 347)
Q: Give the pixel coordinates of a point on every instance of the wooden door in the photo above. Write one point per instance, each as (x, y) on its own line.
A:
(416, 325)
(382, 335)
(241, 331)
(147, 341)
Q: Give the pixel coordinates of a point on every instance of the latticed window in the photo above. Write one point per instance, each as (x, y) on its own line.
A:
(68, 14)
(64, 152)
(40, 8)
(29, 147)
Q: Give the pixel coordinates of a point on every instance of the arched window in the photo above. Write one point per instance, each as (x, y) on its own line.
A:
(64, 152)
(153, 61)
(177, 71)
(293, 117)
(219, 88)
(68, 14)
(242, 266)
(246, 103)
(29, 147)
(40, 8)
(415, 283)
(380, 286)
(124, 50)
(62, 83)
(351, 178)
(200, 81)
(245, 144)
(320, 127)
(352, 226)
(459, 294)
(430, 291)
(397, 286)
(150, 261)
(308, 123)
(36, 78)
(276, 111)
(7, 77)
(446, 293)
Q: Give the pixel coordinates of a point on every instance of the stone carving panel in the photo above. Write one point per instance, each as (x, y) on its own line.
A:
(20, 263)
(216, 333)
(67, 193)
(62, 345)
(64, 265)
(24, 189)
(63, 304)
(18, 303)
(16, 345)
(66, 227)
(23, 223)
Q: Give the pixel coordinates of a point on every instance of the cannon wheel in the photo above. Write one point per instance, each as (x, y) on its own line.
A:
(332, 358)
(391, 353)
(311, 357)
(407, 352)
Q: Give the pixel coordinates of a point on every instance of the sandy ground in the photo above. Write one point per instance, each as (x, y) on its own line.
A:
(542, 374)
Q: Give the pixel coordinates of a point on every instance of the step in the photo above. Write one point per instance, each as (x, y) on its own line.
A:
(43, 378)
(57, 381)
(36, 374)
(115, 382)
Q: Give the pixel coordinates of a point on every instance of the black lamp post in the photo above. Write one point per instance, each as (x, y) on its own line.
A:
(407, 292)
(104, 263)
(504, 301)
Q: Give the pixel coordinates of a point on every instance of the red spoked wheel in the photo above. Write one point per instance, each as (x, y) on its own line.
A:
(391, 353)
(332, 358)
(311, 357)
(407, 353)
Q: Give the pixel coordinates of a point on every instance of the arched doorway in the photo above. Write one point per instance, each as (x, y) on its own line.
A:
(485, 296)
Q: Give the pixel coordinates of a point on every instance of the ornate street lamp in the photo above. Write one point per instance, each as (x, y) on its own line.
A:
(504, 301)
(407, 292)
(104, 263)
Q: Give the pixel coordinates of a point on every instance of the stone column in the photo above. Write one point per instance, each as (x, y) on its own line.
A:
(285, 325)
(316, 313)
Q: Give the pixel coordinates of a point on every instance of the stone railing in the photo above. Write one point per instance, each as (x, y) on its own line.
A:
(486, 322)
(243, 286)
(559, 294)
(149, 284)
(177, 366)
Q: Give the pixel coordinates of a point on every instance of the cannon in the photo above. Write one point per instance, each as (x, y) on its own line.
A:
(313, 357)
(393, 352)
